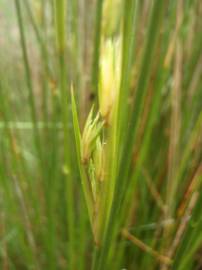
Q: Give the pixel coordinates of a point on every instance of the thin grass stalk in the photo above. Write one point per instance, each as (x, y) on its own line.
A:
(162, 258)
(128, 48)
(60, 23)
(174, 150)
(97, 43)
(175, 122)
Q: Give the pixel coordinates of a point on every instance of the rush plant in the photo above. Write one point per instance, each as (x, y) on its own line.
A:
(100, 134)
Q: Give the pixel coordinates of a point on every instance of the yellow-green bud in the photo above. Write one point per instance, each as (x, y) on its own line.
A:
(90, 133)
(110, 70)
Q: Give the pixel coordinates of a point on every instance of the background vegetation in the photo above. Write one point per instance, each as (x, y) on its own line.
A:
(100, 134)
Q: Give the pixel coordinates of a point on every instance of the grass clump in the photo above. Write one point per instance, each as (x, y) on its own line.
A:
(101, 123)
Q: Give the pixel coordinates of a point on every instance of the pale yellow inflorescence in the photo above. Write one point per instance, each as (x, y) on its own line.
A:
(91, 131)
(110, 70)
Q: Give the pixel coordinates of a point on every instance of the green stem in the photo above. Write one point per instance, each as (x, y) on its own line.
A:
(60, 22)
(97, 43)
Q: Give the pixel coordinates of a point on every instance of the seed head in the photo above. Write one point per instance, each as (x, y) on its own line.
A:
(90, 133)
(110, 70)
